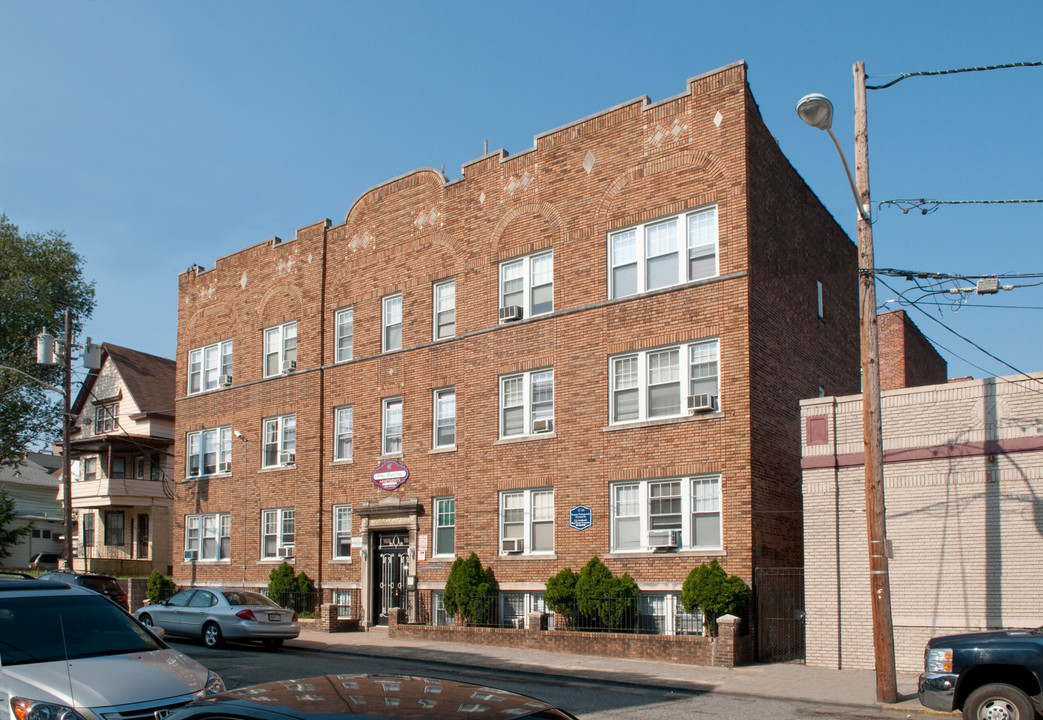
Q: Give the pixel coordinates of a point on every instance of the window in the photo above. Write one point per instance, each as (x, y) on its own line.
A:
(342, 599)
(445, 418)
(207, 364)
(209, 536)
(119, 468)
(528, 283)
(114, 527)
(139, 467)
(154, 468)
(392, 323)
(280, 349)
(445, 526)
(90, 468)
(392, 426)
(818, 294)
(527, 403)
(344, 424)
(280, 441)
(105, 417)
(689, 507)
(342, 531)
(649, 256)
(445, 308)
(209, 451)
(648, 384)
(277, 533)
(345, 334)
(527, 521)
(88, 529)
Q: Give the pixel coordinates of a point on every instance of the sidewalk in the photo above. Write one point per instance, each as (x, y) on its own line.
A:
(790, 681)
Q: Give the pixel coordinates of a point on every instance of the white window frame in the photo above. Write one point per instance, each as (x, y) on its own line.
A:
(207, 364)
(533, 512)
(341, 531)
(280, 524)
(443, 511)
(530, 273)
(444, 416)
(280, 348)
(200, 443)
(444, 308)
(343, 432)
(700, 497)
(344, 335)
(278, 435)
(106, 417)
(517, 390)
(209, 536)
(640, 372)
(389, 407)
(696, 236)
(391, 318)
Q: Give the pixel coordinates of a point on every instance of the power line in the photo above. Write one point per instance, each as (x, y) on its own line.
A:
(930, 73)
(926, 207)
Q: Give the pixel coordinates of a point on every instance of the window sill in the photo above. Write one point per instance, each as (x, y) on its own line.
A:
(526, 438)
(195, 478)
(277, 468)
(391, 456)
(343, 461)
(207, 562)
(672, 420)
(446, 557)
(340, 561)
(528, 556)
(709, 552)
(277, 560)
(440, 450)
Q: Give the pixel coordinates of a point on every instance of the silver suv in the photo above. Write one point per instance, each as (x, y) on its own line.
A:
(68, 653)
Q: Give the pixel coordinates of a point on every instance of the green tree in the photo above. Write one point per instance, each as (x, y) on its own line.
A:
(710, 589)
(40, 277)
(290, 590)
(560, 594)
(469, 590)
(9, 537)
(158, 587)
(602, 597)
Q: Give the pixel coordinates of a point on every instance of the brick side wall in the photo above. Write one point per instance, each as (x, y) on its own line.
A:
(963, 526)
(907, 358)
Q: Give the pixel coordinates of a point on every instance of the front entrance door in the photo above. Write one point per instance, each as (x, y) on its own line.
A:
(389, 574)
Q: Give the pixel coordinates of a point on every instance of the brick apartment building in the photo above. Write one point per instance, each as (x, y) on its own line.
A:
(593, 347)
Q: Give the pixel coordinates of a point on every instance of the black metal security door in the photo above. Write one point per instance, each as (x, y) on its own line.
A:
(390, 572)
(780, 614)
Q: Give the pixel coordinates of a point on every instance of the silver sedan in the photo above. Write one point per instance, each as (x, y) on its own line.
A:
(217, 614)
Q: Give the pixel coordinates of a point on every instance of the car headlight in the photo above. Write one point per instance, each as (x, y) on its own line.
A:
(26, 709)
(214, 685)
(938, 660)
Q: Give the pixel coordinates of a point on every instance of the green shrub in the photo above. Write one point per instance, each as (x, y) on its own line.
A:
(602, 597)
(158, 587)
(710, 589)
(560, 594)
(288, 590)
(469, 590)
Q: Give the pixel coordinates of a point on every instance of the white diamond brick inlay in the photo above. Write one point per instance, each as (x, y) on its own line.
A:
(521, 183)
(718, 119)
(363, 240)
(481, 198)
(588, 162)
(426, 217)
(668, 134)
(242, 281)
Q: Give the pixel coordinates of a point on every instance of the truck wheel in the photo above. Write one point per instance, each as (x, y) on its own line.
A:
(998, 702)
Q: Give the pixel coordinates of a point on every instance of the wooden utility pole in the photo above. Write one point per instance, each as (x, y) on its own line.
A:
(873, 442)
(66, 423)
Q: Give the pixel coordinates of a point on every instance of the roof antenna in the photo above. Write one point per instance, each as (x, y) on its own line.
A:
(485, 148)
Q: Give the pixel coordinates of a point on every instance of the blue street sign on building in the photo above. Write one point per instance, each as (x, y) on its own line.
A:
(580, 517)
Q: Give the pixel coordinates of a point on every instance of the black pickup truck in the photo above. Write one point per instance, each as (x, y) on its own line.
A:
(989, 675)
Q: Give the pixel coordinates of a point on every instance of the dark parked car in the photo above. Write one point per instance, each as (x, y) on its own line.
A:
(104, 584)
(217, 614)
(343, 697)
(45, 561)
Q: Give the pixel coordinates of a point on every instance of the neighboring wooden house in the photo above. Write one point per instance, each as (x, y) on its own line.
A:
(121, 446)
(32, 485)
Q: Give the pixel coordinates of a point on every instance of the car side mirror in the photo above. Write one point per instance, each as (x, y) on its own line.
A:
(156, 630)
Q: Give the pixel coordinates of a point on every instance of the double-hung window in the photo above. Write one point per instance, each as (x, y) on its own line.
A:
(105, 417)
(88, 528)
(207, 365)
(342, 531)
(209, 451)
(280, 441)
(663, 252)
(445, 309)
(277, 533)
(209, 536)
(391, 426)
(682, 513)
(445, 525)
(527, 403)
(344, 331)
(90, 468)
(280, 349)
(527, 521)
(343, 428)
(528, 283)
(114, 522)
(664, 382)
(392, 339)
(445, 418)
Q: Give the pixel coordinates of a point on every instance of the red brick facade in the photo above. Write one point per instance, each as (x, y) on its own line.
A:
(629, 165)
(907, 358)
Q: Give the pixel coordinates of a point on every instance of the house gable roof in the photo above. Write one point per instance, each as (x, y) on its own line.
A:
(149, 379)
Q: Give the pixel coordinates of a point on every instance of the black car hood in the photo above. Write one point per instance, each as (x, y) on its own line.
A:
(979, 638)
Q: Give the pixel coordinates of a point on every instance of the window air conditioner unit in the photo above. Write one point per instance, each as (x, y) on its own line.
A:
(224, 380)
(289, 366)
(513, 545)
(191, 555)
(542, 426)
(288, 458)
(661, 539)
(286, 552)
(510, 313)
(224, 467)
(700, 403)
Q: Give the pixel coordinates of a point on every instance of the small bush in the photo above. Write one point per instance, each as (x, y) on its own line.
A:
(158, 587)
(289, 590)
(469, 590)
(560, 593)
(600, 596)
(710, 589)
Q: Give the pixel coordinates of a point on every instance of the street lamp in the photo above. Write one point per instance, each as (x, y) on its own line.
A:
(817, 111)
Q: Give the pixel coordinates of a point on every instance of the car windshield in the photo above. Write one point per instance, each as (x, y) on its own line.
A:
(55, 627)
(243, 597)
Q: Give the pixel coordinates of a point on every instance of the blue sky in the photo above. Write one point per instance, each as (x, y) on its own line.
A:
(161, 134)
